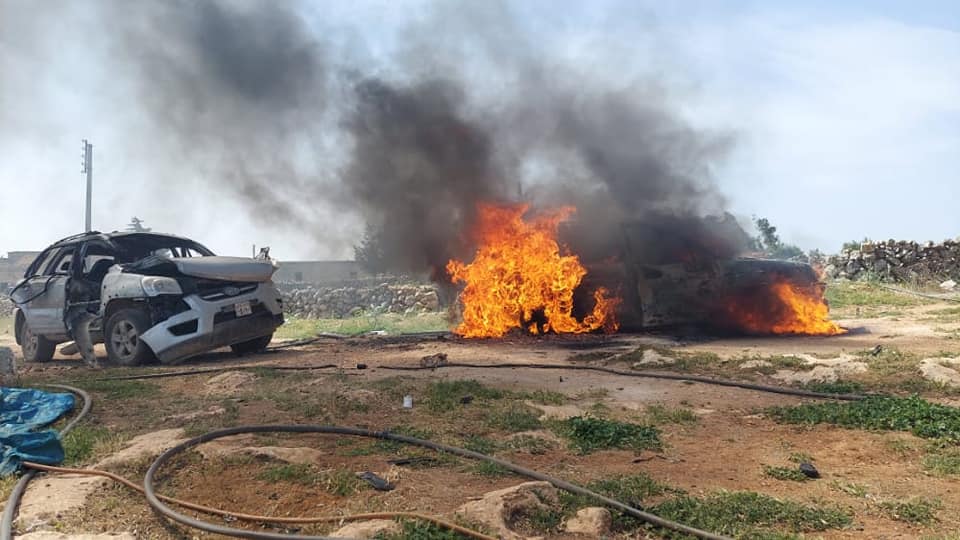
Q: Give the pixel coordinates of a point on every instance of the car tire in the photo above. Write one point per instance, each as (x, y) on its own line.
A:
(121, 335)
(251, 346)
(35, 348)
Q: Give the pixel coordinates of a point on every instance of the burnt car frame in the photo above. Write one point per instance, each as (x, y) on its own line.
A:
(145, 296)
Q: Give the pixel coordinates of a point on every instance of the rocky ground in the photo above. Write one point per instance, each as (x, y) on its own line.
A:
(718, 457)
(899, 261)
(318, 302)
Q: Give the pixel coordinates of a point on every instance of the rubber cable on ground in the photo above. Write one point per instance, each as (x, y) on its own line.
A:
(265, 519)
(644, 375)
(159, 506)
(13, 501)
(203, 371)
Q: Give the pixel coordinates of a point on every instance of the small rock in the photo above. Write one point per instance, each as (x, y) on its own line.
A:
(948, 285)
(653, 358)
(368, 529)
(809, 470)
(593, 522)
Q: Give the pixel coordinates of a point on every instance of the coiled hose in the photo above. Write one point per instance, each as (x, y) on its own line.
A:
(13, 501)
(158, 505)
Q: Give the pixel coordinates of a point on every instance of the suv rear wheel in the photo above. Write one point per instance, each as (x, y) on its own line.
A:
(35, 348)
(252, 346)
(121, 335)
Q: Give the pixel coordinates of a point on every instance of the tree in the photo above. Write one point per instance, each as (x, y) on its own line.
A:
(769, 242)
(370, 253)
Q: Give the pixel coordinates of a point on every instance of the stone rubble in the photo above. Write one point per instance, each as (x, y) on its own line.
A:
(318, 302)
(899, 261)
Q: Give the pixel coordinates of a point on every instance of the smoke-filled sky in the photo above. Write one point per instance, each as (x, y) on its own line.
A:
(297, 125)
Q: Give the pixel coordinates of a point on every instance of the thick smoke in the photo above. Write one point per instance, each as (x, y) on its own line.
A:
(468, 109)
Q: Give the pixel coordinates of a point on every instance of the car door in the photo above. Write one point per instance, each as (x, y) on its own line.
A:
(42, 297)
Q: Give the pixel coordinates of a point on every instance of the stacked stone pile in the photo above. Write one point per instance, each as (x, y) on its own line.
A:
(898, 261)
(314, 301)
(6, 306)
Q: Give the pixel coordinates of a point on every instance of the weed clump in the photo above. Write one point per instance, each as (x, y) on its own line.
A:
(587, 434)
(913, 414)
(446, 395)
(785, 473)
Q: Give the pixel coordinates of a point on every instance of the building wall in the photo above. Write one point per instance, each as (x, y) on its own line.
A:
(318, 271)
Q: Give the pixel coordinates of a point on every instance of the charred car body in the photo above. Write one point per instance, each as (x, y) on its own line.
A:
(684, 272)
(145, 296)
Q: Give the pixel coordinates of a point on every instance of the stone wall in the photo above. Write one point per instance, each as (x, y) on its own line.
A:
(6, 306)
(898, 261)
(314, 301)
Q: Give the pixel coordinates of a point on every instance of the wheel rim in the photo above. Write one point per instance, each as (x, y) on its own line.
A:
(124, 339)
(30, 343)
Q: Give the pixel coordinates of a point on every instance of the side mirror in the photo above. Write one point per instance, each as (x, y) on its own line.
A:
(21, 292)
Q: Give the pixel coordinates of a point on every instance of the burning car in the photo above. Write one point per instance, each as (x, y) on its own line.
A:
(145, 296)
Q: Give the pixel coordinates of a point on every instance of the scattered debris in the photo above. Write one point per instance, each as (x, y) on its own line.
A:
(809, 470)
(434, 360)
(593, 522)
(378, 483)
(876, 350)
(466, 400)
(408, 402)
(499, 509)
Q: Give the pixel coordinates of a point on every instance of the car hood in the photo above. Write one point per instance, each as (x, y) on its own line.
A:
(226, 268)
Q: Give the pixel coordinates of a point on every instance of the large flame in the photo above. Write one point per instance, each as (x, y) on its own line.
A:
(784, 308)
(520, 279)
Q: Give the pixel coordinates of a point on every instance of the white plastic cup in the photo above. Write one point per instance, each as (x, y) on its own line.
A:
(407, 402)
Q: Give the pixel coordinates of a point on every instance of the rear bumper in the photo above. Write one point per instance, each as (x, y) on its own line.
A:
(208, 325)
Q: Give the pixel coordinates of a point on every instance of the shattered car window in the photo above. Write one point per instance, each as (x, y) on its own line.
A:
(136, 247)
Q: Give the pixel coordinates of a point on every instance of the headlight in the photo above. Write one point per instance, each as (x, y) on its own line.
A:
(155, 286)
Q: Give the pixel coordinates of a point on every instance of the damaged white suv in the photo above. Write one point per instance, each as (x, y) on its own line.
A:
(145, 296)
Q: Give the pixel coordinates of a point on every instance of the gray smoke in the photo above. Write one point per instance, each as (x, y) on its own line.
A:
(468, 109)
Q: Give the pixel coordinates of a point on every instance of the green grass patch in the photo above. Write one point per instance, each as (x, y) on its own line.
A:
(784, 473)
(117, 390)
(749, 515)
(530, 444)
(394, 446)
(661, 414)
(919, 511)
(835, 387)
(339, 482)
(913, 414)
(942, 459)
(889, 361)
(800, 457)
(480, 445)
(422, 530)
(513, 418)
(82, 443)
(392, 323)
(486, 468)
(545, 397)
(587, 434)
(442, 396)
(842, 294)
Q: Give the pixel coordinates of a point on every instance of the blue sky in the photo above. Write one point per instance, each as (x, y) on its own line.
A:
(846, 114)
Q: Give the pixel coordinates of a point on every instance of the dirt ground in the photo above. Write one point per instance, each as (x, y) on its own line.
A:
(719, 440)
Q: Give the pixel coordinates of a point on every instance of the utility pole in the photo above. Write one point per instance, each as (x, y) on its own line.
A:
(88, 169)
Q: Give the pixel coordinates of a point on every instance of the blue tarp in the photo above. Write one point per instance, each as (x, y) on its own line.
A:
(23, 412)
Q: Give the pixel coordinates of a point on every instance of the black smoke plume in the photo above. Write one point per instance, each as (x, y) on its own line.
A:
(318, 139)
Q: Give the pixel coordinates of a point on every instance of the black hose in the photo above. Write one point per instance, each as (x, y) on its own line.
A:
(168, 512)
(646, 375)
(13, 501)
(202, 371)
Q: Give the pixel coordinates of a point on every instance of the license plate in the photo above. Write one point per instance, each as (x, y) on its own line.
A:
(242, 309)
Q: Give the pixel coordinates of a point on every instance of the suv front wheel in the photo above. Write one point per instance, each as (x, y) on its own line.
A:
(121, 335)
(35, 348)
(252, 346)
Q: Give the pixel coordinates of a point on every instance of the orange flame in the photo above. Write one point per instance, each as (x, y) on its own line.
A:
(519, 278)
(785, 309)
